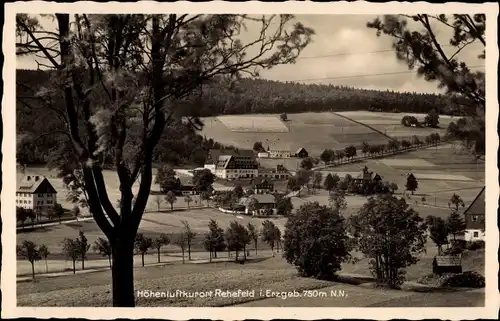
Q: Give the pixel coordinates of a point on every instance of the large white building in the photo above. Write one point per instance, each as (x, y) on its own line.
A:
(232, 163)
(35, 192)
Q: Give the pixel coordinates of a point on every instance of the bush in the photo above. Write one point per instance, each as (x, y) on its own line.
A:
(457, 247)
(475, 245)
(469, 279)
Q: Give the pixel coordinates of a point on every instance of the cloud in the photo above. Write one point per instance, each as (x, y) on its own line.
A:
(343, 47)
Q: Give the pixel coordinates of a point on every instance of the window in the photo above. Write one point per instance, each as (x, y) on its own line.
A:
(476, 234)
(474, 218)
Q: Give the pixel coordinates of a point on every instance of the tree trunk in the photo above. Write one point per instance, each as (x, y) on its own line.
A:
(171, 206)
(210, 256)
(158, 255)
(74, 266)
(33, 270)
(183, 261)
(46, 266)
(189, 207)
(83, 264)
(255, 247)
(123, 274)
(189, 251)
(142, 258)
(244, 253)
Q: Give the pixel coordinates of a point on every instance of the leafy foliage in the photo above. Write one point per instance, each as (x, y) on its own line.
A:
(424, 51)
(29, 251)
(315, 241)
(271, 234)
(391, 234)
(237, 237)
(438, 231)
(142, 244)
(103, 247)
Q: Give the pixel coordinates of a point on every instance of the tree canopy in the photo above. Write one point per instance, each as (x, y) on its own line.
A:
(424, 51)
(117, 82)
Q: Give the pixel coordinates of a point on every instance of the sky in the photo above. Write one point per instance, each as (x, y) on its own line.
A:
(344, 52)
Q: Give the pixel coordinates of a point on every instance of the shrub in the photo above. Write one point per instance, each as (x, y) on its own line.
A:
(475, 245)
(457, 247)
(468, 279)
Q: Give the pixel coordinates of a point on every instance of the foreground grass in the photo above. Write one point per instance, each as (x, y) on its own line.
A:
(94, 289)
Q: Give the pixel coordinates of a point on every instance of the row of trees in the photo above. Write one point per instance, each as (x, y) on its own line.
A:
(52, 213)
(318, 239)
(350, 152)
(236, 238)
(386, 230)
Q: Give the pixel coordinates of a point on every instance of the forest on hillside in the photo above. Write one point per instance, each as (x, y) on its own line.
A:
(180, 143)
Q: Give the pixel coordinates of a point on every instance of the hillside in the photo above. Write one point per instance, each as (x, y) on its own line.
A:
(182, 145)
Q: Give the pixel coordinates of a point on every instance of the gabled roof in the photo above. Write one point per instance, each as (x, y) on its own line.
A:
(448, 260)
(222, 161)
(185, 180)
(35, 184)
(477, 207)
(300, 149)
(260, 180)
(264, 198)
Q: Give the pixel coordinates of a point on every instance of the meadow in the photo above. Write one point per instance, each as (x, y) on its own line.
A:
(314, 131)
(390, 123)
(259, 273)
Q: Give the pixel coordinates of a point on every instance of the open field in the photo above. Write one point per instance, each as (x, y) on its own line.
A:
(264, 273)
(440, 173)
(251, 123)
(390, 123)
(313, 131)
(152, 225)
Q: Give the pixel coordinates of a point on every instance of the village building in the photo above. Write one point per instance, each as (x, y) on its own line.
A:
(475, 219)
(265, 203)
(278, 173)
(447, 264)
(279, 153)
(185, 186)
(301, 153)
(35, 192)
(367, 177)
(232, 163)
(263, 155)
(262, 186)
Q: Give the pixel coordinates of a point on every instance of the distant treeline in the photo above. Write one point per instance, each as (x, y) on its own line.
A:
(182, 145)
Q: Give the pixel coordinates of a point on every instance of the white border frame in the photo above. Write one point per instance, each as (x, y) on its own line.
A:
(8, 281)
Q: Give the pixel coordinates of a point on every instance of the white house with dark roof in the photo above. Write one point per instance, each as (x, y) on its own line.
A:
(264, 202)
(232, 163)
(475, 219)
(35, 192)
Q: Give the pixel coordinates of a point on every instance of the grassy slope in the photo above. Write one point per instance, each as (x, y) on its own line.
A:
(262, 274)
(318, 131)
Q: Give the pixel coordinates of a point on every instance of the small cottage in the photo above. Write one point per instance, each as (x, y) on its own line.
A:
(301, 153)
(447, 264)
(262, 186)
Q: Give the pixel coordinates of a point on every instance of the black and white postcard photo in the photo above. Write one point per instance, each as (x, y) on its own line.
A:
(184, 156)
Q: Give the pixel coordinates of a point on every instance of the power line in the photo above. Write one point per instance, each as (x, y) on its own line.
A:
(367, 75)
(353, 53)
